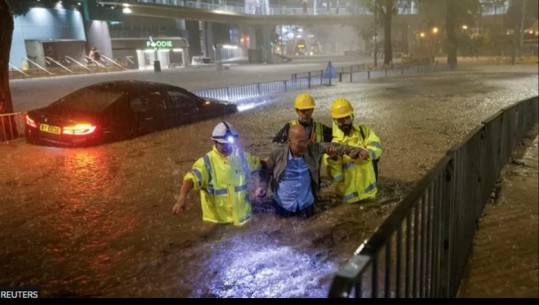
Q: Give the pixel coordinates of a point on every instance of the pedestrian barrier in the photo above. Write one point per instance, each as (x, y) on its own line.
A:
(307, 80)
(240, 94)
(11, 126)
(63, 66)
(422, 248)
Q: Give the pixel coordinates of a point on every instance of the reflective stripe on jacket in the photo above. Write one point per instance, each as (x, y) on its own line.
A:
(317, 132)
(223, 183)
(355, 179)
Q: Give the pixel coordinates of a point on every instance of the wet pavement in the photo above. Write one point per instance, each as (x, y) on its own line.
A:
(504, 262)
(96, 222)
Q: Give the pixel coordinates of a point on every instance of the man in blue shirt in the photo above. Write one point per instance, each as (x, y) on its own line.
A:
(295, 170)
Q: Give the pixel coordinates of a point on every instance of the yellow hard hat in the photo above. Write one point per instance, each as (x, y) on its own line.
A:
(341, 108)
(304, 101)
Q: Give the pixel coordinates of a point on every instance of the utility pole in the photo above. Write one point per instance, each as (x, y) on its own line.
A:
(521, 28)
(518, 34)
(282, 43)
(375, 34)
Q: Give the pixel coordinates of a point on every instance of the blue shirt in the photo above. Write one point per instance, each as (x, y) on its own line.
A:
(293, 192)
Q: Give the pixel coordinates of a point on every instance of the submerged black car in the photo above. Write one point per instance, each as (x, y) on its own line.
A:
(118, 110)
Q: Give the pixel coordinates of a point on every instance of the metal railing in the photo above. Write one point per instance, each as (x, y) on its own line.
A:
(307, 80)
(51, 61)
(65, 66)
(11, 126)
(422, 248)
(298, 81)
(37, 66)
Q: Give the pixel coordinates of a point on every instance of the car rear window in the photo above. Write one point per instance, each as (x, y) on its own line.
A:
(89, 99)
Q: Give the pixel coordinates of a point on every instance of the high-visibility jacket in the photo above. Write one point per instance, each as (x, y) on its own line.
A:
(223, 184)
(355, 179)
(317, 131)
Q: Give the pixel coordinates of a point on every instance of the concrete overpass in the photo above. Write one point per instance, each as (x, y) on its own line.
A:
(233, 15)
(230, 17)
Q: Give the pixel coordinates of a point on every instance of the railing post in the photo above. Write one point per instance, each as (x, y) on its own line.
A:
(309, 80)
(258, 88)
(446, 256)
(340, 77)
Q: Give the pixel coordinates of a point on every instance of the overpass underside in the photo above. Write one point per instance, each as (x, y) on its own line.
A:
(195, 14)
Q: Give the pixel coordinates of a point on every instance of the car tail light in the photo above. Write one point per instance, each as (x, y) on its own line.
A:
(79, 129)
(30, 122)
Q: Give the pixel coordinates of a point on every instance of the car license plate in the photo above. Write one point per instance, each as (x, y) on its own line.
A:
(50, 128)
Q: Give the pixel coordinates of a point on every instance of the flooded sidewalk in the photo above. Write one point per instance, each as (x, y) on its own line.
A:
(504, 261)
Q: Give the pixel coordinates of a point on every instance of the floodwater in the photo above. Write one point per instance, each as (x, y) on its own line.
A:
(97, 222)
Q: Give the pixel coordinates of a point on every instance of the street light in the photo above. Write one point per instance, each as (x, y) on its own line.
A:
(434, 32)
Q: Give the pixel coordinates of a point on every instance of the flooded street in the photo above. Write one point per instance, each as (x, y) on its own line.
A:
(97, 222)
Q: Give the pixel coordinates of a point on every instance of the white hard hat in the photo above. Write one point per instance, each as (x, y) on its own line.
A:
(224, 133)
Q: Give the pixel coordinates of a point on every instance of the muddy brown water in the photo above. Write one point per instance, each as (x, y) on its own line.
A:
(97, 222)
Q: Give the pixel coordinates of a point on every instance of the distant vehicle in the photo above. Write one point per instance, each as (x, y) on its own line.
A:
(201, 61)
(118, 110)
(315, 48)
(301, 47)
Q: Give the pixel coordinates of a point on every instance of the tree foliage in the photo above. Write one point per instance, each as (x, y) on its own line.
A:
(384, 10)
(449, 16)
(521, 13)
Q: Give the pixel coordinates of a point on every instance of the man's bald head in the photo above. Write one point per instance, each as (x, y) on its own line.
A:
(298, 140)
(297, 132)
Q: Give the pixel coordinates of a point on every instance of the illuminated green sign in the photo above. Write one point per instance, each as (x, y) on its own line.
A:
(159, 44)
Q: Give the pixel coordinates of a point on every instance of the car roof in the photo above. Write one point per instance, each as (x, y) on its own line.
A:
(108, 92)
(129, 84)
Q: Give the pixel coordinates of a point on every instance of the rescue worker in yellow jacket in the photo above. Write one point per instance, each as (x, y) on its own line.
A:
(318, 132)
(355, 178)
(222, 176)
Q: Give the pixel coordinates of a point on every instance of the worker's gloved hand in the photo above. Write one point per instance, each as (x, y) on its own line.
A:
(354, 154)
(363, 154)
(332, 150)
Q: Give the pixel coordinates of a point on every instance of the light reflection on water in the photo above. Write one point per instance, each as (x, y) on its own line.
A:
(102, 231)
(82, 220)
(255, 267)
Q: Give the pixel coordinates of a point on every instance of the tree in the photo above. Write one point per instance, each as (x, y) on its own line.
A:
(451, 15)
(6, 34)
(520, 15)
(8, 10)
(385, 9)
